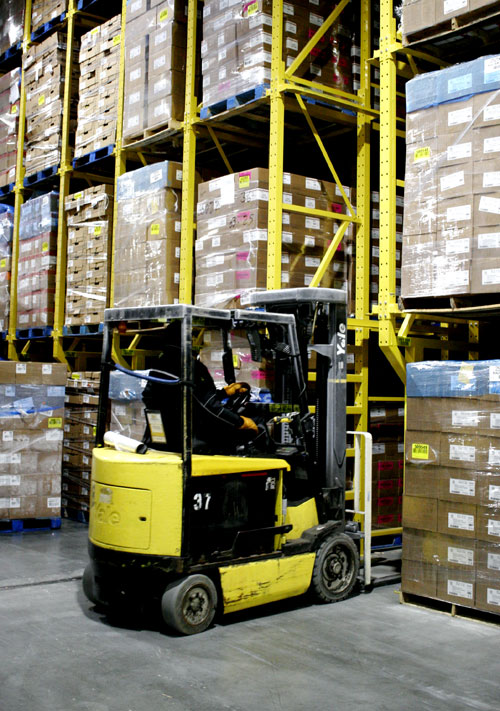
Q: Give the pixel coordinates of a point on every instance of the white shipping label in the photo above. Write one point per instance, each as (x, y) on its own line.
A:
(492, 69)
(459, 151)
(464, 487)
(455, 118)
(460, 589)
(493, 561)
(257, 235)
(216, 222)
(292, 44)
(290, 27)
(287, 237)
(453, 180)
(257, 194)
(287, 179)
(491, 112)
(494, 492)
(377, 412)
(460, 83)
(494, 456)
(20, 368)
(178, 174)
(53, 502)
(462, 556)
(490, 276)
(313, 184)
(495, 420)
(492, 179)
(493, 528)
(313, 262)
(155, 176)
(311, 202)
(7, 436)
(287, 198)
(462, 453)
(463, 418)
(378, 449)
(489, 204)
(494, 373)
(312, 223)
(54, 435)
(309, 241)
(460, 213)
(458, 246)
(450, 6)
(464, 522)
(493, 596)
(491, 145)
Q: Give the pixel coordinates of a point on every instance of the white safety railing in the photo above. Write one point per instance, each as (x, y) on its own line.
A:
(366, 512)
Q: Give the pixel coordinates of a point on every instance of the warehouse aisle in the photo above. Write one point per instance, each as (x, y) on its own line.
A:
(367, 652)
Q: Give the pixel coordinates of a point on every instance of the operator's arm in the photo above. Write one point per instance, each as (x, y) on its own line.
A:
(209, 397)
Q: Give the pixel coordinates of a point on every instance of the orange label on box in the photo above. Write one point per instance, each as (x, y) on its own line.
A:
(419, 451)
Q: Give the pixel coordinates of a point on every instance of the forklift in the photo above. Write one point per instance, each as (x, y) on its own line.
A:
(199, 532)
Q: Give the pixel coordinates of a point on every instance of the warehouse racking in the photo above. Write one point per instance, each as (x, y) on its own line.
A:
(266, 121)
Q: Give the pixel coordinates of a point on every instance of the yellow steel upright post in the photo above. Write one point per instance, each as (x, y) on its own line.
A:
(387, 278)
(120, 154)
(276, 141)
(189, 163)
(18, 194)
(65, 170)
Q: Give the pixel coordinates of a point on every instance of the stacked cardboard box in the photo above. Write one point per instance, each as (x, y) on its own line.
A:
(42, 11)
(451, 507)
(386, 427)
(427, 15)
(375, 245)
(37, 261)
(236, 47)
(155, 61)
(89, 216)
(11, 23)
(231, 245)
(452, 199)
(82, 396)
(147, 236)
(98, 87)
(6, 227)
(10, 87)
(44, 66)
(127, 409)
(31, 424)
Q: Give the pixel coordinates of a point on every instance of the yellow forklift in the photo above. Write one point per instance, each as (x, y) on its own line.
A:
(249, 520)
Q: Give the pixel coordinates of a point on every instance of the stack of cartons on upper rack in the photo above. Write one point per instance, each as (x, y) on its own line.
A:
(31, 423)
(427, 17)
(155, 62)
(11, 23)
(43, 11)
(232, 239)
(82, 395)
(98, 87)
(37, 262)
(147, 236)
(452, 198)
(236, 47)
(451, 507)
(89, 218)
(44, 67)
(10, 89)
(6, 228)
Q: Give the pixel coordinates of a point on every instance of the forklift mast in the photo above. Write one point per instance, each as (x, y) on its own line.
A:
(321, 320)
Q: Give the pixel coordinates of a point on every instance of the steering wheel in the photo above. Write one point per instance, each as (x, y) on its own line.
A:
(239, 399)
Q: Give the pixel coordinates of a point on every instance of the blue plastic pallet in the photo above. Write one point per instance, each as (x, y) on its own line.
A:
(75, 514)
(10, 53)
(318, 102)
(83, 330)
(47, 27)
(245, 97)
(26, 334)
(6, 189)
(40, 175)
(94, 156)
(17, 525)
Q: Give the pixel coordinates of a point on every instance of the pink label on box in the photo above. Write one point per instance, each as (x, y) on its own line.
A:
(336, 207)
(245, 357)
(258, 375)
(242, 256)
(242, 216)
(243, 274)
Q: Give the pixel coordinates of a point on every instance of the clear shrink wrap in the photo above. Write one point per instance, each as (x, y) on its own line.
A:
(43, 11)
(11, 23)
(31, 419)
(10, 87)
(423, 18)
(6, 228)
(147, 237)
(127, 408)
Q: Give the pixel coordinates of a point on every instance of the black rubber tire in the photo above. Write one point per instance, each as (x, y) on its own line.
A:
(188, 605)
(335, 569)
(88, 584)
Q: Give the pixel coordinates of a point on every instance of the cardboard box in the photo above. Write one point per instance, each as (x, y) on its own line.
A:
(486, 109)
(457, 518)
(458, 485)
(488, 523)
(456, 586)
(422, 481)
(424, 414)
(419, 578)
(423, 448)
(420, 513)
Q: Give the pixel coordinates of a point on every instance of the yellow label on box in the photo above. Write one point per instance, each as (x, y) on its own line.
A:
(117, 39)
(14, 109)
(3, 263)
(97, 230)
(55, 422)
(94, 31)
(94, 430)
(244, 181)
(236, 361)
(466, 373)
(41, 99)
(422, 154)
(252, 9)
(77, 196)
(164, 15)
(76, 376)
(155, 229)
(419, 451)
(45, 246)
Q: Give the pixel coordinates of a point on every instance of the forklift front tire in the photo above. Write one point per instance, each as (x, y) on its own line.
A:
(188, 605)
(88, 584)
(335, 569)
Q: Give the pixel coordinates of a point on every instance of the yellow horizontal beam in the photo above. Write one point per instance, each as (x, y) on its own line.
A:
(320, 213)
(385, 399)
(354, 410)
(353, 323)
(387, 532)
(349, 452)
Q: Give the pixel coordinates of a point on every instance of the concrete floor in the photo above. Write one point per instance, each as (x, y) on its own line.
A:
(59, 654)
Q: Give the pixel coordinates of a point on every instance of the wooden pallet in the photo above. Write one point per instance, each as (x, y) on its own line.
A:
(466, 306)
(467, 21)
(153, 135)
(451, 609)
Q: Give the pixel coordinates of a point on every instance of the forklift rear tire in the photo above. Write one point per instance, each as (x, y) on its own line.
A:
(88, 584)
(335, 569)
(188, 605)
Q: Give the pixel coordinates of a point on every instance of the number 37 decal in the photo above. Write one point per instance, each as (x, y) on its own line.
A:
(201, 502)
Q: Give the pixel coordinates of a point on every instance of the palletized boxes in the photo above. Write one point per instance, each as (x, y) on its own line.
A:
(236, 47)
(421, 15)
(11, 23)
(98, 87)
(42, 11)
(147, 236)
(89, 218)
(451, 507)
(6, 228)
(31, 438)
(37, 261)
(10, 87)
(44, 66)
(387, 429)
(231, 244)
(451, 234)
